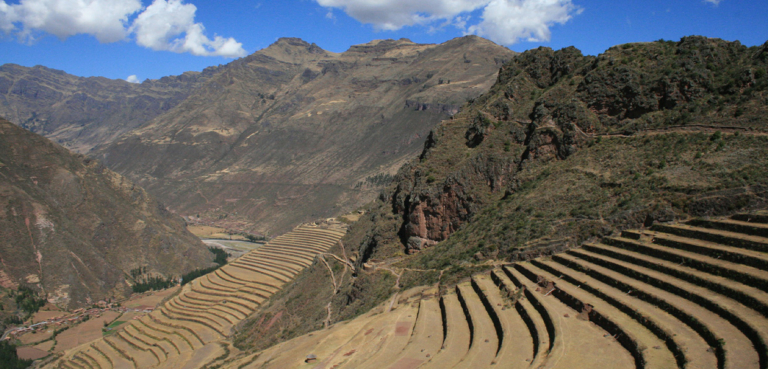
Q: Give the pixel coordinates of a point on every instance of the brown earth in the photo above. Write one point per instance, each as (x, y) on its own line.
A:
(31, 353)
(83, 332)
(73, 230)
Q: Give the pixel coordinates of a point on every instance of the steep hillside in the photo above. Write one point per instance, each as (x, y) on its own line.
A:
(73, 230)
(295, 133)
(563, 149)
(80, 113)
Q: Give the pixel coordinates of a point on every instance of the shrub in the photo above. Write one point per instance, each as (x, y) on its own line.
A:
(27, 300)
(9, 359)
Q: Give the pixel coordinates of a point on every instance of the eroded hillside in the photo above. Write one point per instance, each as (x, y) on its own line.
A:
(72, 230)
(563, 149)
(295, 133)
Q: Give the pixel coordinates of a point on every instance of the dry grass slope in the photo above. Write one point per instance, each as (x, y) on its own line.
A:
(186, 331)
(686, 295)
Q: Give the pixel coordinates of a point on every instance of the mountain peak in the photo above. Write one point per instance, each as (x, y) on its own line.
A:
(292, 49)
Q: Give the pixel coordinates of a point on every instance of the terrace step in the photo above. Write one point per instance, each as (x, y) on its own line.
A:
(308, 246)
(745, 274)
(192, 337)
(517, 347)
(750, 322)
(289, 267)
(248, 279)
(176, 339)
(189, 319)
(642, 339)
(103, 361)
(575, 340)
(456, 334)
(242, 302)
(284, 261)
(219, 317)
(278, 255)
(88, 361)
(737, 351)
(691, 348)
(734, 239)
(484, 342)
(751, 258)
(395, 334)
(256, 276)
(757, 217)
(731, 225)
(148, 342)
(183, 332)
(267, 269)
(747, 295)
(142, 356)
(119, 356)
(160, 339)
(541, 325)
(258, 273)
(427, 336)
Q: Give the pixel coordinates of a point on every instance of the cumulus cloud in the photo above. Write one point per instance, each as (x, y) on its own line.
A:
(132, 79)
(163, 25)
(170, 25)
(104, 19)
(503, 21)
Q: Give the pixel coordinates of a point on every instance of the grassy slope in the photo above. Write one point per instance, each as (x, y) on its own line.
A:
(564, 148)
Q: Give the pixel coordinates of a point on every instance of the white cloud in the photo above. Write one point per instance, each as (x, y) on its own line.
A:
(503, 21)
(132, 79)
(714, 2)
(104, 19)
(163, 25)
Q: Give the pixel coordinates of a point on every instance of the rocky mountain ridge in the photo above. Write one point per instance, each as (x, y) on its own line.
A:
(80, 113)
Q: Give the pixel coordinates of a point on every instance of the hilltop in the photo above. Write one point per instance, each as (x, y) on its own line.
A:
(72, 230)
(563, 149)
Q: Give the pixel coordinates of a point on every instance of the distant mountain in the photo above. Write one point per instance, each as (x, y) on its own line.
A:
(73, 230)
(80, 113)
(295, 133)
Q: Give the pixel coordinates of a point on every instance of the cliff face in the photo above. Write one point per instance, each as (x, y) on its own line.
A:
(549, 106)
(80, 113)
(294, 133)
(72, 229)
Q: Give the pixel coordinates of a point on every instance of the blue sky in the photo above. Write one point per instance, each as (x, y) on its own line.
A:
(154, 38)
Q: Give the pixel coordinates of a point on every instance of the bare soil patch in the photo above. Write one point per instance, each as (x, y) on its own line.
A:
(150, 299)
(84, 332)
(30, 338)
(30, 353)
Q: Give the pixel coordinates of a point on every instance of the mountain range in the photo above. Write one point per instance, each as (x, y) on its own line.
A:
(286, 135)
